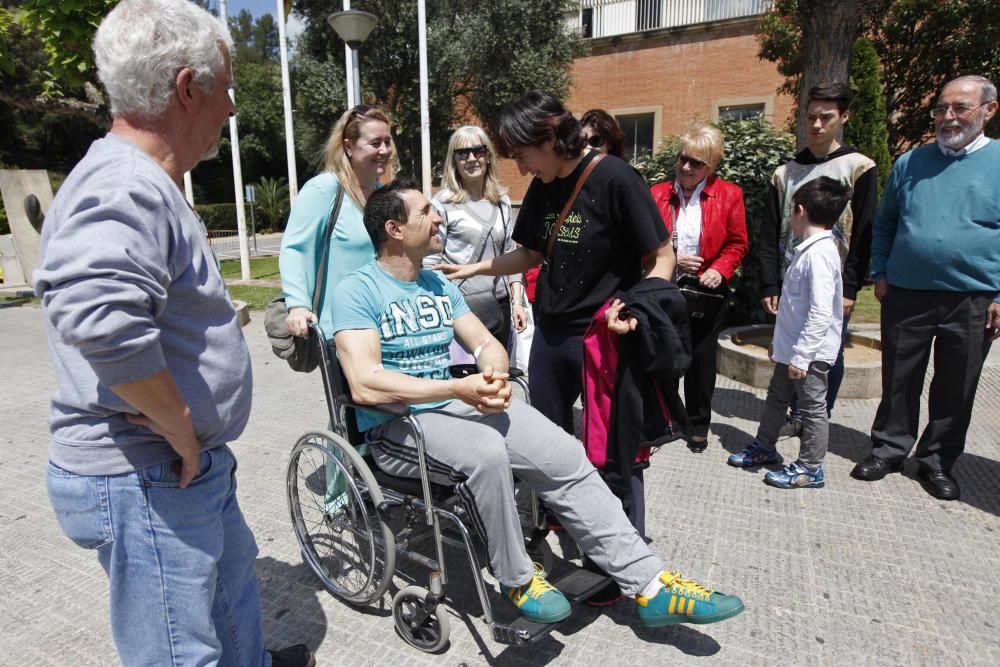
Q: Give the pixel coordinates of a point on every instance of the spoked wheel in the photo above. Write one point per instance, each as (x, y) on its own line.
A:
(332, 499)
(420, 626)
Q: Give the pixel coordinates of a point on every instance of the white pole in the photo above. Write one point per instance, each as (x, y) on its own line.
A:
(188, 189)
(286, 96)
(241, 214)
(349, 69)
(425, 116)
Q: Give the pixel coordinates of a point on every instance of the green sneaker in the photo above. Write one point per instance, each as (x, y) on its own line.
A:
(538, 600)
(681, 600)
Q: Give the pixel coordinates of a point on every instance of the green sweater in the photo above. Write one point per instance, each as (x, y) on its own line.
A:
(938, 227)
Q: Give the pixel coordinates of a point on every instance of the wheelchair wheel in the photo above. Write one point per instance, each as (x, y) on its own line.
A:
(421, 628)
(333, 500)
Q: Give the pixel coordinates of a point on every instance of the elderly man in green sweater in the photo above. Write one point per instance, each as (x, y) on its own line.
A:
(936, 267)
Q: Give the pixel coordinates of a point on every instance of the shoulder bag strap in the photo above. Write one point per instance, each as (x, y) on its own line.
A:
(331, 222)
(487, 227)
(569, 204)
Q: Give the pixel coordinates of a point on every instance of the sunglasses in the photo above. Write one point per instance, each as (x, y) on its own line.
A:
(595, 141)
(361, 110)
(475, 151)
(690, 161)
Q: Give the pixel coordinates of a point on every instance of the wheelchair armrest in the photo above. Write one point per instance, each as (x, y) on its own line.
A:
(465, 370)
(390, 409)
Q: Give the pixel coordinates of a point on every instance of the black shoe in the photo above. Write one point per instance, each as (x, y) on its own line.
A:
(298, 655)
(697, 444)
(874, 468)
(939, 484)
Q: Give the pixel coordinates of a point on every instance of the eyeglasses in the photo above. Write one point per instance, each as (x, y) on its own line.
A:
(959, 110)
(361, 110)
(690, 161)
(476, 151)
(595, 141)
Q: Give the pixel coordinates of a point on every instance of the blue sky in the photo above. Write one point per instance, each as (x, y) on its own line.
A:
(261, 7)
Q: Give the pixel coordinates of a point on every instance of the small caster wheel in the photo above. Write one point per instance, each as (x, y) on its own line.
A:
(420, 628)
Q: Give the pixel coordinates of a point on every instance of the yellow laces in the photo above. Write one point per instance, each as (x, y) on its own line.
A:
(688, 587)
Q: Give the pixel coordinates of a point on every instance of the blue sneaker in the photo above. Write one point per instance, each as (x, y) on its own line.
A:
(755, 454)
(680, 600)
(538, 600)
(796, 476)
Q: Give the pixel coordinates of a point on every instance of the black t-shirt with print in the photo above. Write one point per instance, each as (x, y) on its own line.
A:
(612, 225)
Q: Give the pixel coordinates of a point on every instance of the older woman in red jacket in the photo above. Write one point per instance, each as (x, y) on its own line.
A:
(706, 220)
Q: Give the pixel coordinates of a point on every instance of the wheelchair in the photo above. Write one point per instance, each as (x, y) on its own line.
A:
(351, 537)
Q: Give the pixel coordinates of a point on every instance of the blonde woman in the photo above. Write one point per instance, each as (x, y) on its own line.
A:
(706, 219)
(478, 226)
(359, 154)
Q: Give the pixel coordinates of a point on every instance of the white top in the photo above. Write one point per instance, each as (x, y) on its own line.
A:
(971, 147)
(689, 221)
(811, 309)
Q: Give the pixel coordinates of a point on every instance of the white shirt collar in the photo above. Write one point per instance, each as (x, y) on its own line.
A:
(971, 147)
(799, 249)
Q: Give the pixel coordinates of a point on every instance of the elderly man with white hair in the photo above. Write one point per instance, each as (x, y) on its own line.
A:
(936, 266)
(152, 368)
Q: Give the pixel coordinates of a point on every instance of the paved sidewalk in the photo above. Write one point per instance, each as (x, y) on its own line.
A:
(854, 573)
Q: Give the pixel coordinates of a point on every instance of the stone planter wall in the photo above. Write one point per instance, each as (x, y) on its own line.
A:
(743, 357)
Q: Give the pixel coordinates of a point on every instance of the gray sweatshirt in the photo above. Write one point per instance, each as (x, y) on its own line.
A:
(130, 286)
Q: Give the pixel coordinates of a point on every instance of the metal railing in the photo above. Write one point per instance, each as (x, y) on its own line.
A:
(605, 18)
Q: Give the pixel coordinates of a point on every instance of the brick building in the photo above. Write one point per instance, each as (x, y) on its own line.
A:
(658, 64)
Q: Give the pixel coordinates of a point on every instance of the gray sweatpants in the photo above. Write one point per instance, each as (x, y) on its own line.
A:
(811, 391)
(477, 454)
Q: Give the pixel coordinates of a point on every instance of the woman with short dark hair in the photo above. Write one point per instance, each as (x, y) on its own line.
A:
(602, 132)
(599, 250)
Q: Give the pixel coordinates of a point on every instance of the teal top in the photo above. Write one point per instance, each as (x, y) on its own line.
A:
(938, 227)
(414, 321)
(350, 246)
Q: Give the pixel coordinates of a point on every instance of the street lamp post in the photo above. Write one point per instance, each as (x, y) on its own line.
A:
(353, 26)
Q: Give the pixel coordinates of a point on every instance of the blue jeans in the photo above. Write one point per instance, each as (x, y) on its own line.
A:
(180, 562)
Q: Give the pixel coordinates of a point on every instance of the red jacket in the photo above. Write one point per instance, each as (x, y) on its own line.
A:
(723, 222)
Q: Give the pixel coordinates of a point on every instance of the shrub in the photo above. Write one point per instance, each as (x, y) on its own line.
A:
(217, 216)
(271, 202)
(754, 149)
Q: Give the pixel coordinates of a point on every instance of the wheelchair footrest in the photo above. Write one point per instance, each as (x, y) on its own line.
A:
(521, 631)
(576, 583)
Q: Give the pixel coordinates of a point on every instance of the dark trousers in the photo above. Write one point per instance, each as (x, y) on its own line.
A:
(555, 377)
(915, 322)
(699, 381)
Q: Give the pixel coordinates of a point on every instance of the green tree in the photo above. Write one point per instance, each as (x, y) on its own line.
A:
(754, 149)
(480, 57)
(271, 202)
(867, 129)
(921, 44)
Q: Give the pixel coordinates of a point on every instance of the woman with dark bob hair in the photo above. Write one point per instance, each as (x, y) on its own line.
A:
(601, 131)
(611, 230)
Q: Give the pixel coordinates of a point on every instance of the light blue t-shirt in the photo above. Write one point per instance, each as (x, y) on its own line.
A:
(414, 321)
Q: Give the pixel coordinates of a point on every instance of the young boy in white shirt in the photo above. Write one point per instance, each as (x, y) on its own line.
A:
(806, 339)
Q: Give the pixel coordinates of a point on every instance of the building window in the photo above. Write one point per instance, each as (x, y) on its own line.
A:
(638, 130)
(741, 111)
(587, 22)
(647, 14)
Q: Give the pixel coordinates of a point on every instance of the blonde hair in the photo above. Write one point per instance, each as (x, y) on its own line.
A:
(465, 137)
(349, 127)
(706, 140)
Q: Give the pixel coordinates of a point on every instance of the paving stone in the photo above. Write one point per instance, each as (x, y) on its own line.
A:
(855, 573)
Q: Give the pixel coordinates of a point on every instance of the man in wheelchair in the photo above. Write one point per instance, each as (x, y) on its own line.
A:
(393, 323)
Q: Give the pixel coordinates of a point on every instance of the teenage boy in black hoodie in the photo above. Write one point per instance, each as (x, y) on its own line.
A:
(826, 113)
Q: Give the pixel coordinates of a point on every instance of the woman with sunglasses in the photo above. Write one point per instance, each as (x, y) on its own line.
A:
(358, 154)
(601, 131)
(707, 224)
(477, 226)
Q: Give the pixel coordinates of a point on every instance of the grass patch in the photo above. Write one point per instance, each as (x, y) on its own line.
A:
(867, 309)
(256, 298)
(261, 268)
